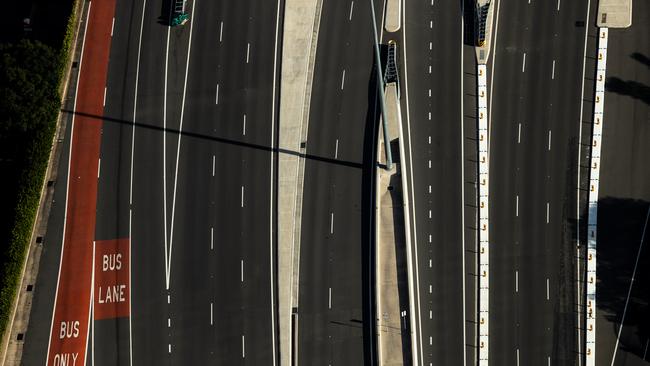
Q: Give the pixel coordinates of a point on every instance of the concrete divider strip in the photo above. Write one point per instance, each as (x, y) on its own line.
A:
(592, 218)
(484, 255)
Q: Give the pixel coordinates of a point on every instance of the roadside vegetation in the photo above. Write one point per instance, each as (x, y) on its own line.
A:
(33, 59)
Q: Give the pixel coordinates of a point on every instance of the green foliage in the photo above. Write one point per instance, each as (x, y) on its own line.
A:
(31, 75)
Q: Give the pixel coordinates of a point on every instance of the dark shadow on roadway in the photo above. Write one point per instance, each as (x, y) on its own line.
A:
(630, 88)
(249, 145)
(620, 225)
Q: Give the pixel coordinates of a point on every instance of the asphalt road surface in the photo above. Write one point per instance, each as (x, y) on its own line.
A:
(624, 198)
(434, 123)
(334, 317)
(185, 173)
(535, 117)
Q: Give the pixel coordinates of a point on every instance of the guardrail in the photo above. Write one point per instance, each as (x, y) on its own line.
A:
(484, 227)
(592, 220)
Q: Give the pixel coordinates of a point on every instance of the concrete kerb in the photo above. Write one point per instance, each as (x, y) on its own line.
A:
(301, 19)
(32, 256)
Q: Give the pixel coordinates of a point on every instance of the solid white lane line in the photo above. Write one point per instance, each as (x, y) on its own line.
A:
(523, 63)
(248, 51)
(112, 26)
(517, 206)
(343, 79)
(549, 140)
(553, 71)
(99, 167)
(221, 31)
(178, 150)
(547, 212)
(517, 356)
(242, 196)
(104, 102)
(242, 270)
(516, 281)
(351, 8)
(645, 352)
(213, 165)
(211, 314)
(243, 132)
(329, 298)
(243, 346)
(547, 290)
(211, 239)
(519, 134)
(216, 100)
(629, 291)
(336, 149)
(332, 223)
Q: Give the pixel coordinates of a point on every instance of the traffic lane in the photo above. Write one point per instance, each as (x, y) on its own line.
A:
(436, 123)
(339, 109)
(111, 336)
(624, 196)
(148, 313)
(506, 114)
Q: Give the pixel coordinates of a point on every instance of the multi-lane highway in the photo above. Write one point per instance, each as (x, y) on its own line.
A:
(185, 176)
(624, 201)
(334, 317)
(535, 117)
(432, 100)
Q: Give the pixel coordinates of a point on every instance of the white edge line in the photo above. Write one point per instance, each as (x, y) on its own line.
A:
(275, 59)
(92, 309)
(164, 136)
(582, 97)
(462, 178)
(178, 147)
(65, 214)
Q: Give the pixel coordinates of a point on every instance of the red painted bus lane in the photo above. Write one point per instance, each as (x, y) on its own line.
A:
(69, 332)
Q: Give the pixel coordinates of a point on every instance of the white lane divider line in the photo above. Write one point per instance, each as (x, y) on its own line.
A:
(430, 46)
(517, 206)
(549, 360)
(548, 294)
(242, 196)
(220, 31)
(429, 116)
(430, 289)
(516, 281)
(523, 63)
(211, 239)
(429, 164)
(99, 167)
(336, 149)
(553, 71)
(213, 165)
(243, 132)
(329, 298)
(104, 102)
(169, 322)
(645, 352)
(558, 5)
(429, 140)
(242, 270)
(519, 134)
(351, 9)
(248, 52)
(169, 348)
(547, 212)
(169, 299)
(429, 214)
(216, 100)
(211, 314)
(430, 69)
(243, 346)
(430, 24)
(429, 188)
(429, 93)
(517, 356)
(343, 79)
(112, 26)
(549, 140)
(332, 223)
